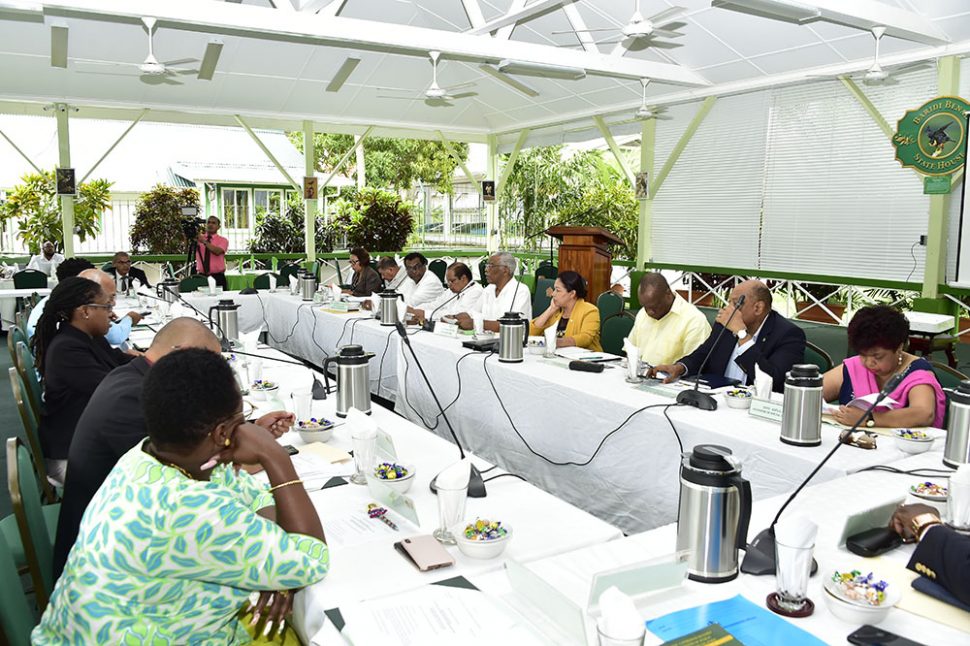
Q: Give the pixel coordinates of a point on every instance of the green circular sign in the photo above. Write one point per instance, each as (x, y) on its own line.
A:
(932, 138)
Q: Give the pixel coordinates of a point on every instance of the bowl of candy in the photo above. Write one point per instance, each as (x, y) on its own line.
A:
(928, 490)
(484, 539)
(261, 389)
(315, 430)
(536, 344)
(913, 441)
(738, 398)
(397, 476)
(859, 597)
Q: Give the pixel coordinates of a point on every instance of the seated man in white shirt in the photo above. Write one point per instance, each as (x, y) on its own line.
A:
(503, 294)
(462, 295)
(426, 285)
(46, 261)
(393, 277)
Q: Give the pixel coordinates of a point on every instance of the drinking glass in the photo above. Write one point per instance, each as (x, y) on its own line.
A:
(957, 505)
(363, 457)
(606, 640)
(302, 403)
(451, 511)
(793, 567)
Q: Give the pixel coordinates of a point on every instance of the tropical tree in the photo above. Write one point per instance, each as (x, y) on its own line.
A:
(36, 203)
(373, 219)
(159, 219)
(284, 233)
(389, 163)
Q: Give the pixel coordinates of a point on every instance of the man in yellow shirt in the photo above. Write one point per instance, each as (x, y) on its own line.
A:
(667, 327)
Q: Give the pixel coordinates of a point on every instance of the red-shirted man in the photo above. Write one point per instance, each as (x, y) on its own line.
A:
(210, 257)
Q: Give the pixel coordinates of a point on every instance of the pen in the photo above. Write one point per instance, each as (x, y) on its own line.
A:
(374, 511)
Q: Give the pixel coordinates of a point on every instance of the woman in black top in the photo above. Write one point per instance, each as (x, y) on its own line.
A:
(73, 357)
(366, 280)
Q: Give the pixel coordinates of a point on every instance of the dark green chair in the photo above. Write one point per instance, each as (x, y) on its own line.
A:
(16, 617)
(15, 335)
(817, 356)
(613, 330)
(947, 376)
(481, 272)
(31, 379)
(609, 304)
(31, 431)
(635, 277)
(547, 270)
(286, 272)
(530, 282)
(192, 283)
(29, 279)
(539, 299)
(35, 533)
(438, 267)
(262, 281)
(710, 313)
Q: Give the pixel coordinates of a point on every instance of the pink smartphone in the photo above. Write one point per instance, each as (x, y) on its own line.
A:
(425, 552)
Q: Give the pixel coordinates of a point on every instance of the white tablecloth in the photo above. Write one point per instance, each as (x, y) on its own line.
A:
(828, 504)
(564, 415)
(9, 296)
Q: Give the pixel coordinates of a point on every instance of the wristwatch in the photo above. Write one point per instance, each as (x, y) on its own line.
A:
(923, 522)
(742, 334)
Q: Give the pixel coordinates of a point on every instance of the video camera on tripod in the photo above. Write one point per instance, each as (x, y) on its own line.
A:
(191, 223)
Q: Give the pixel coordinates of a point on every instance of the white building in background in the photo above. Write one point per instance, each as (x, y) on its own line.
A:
(235, 180)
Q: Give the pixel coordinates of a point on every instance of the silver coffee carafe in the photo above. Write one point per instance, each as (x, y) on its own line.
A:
(801, 417)
(353, 379)
(957, 449)
(227, 319)
(388, 312)
(167, 290)
(513, 331)
(308, 285)
(714, 512)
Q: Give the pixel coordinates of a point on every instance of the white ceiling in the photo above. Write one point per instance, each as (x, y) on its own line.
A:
(279, 80)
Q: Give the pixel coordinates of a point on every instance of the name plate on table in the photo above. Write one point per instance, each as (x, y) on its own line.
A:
(766, 409)
(395, 500)
(385, 445)
(657, 387)
(446, 329)
(343, 307)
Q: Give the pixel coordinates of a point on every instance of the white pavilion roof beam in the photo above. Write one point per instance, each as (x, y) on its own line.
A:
(861, 14)
(513, 17)
(263, 23)
(474, 12)
(505, 32)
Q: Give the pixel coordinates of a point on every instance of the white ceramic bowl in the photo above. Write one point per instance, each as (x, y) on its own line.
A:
(262, 394)
(911, 445)
(400, 485)
(483, 549)
(857, 613)
(321, 434)
(734, 399)
(536, 345)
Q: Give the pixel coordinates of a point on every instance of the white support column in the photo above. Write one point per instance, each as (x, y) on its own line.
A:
(361, 164)
(491, 208)
(648, 136)
(309, 206)
(64, 161)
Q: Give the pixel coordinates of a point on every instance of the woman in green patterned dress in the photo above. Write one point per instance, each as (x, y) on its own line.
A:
(170, 548)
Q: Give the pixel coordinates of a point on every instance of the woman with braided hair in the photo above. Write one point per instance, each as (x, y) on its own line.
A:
(73, 357)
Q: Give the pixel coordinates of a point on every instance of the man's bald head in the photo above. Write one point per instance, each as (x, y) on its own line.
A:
(181, 333)
(655, 295)
(103, 278)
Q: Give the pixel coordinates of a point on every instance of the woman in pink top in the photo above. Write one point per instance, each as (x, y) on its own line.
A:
(878, 334)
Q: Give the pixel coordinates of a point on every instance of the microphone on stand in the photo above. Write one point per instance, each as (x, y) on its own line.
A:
(429, 322)
(223, 339)
(759, 555)
(694, 397)
(476, 485)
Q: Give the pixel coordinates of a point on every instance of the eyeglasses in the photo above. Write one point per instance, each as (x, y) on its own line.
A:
(109, 306)
(122, 262)
(354, 262)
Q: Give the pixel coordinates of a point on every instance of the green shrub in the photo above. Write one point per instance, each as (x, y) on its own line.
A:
(158, 220)
(373, 219)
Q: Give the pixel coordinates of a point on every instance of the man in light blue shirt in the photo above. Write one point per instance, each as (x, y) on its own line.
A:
(120, 329)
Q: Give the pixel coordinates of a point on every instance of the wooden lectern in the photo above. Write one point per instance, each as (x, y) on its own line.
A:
(586, 250)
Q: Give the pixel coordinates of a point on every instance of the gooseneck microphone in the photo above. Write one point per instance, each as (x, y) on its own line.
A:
(759, 555)
(694, 397)
(476, 485)
(223, 339)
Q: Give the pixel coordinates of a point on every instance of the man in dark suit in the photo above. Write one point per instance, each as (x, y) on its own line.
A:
(756, 336)
(123, 273)
(942, 555)
(114, 422)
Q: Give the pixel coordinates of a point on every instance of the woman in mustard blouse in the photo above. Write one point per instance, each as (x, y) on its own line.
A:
(578, 322)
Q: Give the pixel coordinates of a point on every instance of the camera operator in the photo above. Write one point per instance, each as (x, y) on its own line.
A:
(210, 256)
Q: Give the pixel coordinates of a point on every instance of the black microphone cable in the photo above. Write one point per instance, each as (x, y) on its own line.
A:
(602, 442)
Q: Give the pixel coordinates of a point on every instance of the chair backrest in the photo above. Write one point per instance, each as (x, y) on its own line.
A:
(31, 432)
(106, 266)
(818, 356)
(262, 281)
(439, 267)
(287, 271)
(29, 279)
(34, 534)
(15, 335)
(28, 372)
(192, 283)
(539, 299)
(609, 304)
(635, 277)
(947, 376)
(547, 271)
(481, 271)
(16, 617)
(613, 330)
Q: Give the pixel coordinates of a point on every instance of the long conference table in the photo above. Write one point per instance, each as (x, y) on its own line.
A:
(545, 423)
